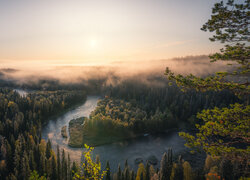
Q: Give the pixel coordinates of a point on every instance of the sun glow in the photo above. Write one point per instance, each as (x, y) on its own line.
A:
(93, 43)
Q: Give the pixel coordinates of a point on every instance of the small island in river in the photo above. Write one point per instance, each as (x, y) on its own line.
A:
(76, 132)
(81, 132)
(64, 132)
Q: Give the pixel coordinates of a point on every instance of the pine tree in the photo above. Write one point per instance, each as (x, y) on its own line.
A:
(166, 165)
(64, 165)
(126, 164)
(48, 149)
(58, 163)
(69, 168)
(119, 173)
(132, 176)
(152, 170)
(108, 175)
(141, 172)
(32, 163)
(42, 165)
(54, 168)
(147, 172)
(177, 170)
(187, 171)
(230, 24)
(74, 169)
(163, 168)
(126, 173)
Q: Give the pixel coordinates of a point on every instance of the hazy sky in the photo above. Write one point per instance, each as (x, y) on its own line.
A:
(79, 31)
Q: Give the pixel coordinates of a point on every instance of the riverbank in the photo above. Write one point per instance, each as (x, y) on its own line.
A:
(118, 152)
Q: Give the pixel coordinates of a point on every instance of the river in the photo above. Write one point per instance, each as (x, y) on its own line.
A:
(141, 147)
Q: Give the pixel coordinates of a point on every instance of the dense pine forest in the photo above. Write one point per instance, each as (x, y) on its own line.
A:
(134, 108)
(22, 149)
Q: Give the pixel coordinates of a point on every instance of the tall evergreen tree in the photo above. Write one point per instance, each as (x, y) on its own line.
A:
(132, 176)
(54, 168)
(177, 170)
(64, 165)
(108, 175)
(58, 163)
(163, 168)
(48, 149)
(126, 173)
(69, 167)
(166, 165)
(187, 171)
(119, 172)
(147, 172)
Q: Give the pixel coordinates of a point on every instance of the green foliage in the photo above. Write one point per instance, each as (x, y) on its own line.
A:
(21, 147)
(90, 170)
(35, 176)
(224, 131)
(229, 21)
(108, 174)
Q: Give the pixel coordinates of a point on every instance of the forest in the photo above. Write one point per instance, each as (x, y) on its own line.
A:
(24, 155)
(210, 111)
(22, 149)
(133, 109)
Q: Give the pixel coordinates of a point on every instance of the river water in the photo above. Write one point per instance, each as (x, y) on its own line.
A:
(141, 147)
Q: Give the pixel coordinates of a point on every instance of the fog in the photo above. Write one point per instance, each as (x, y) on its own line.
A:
(112, 73)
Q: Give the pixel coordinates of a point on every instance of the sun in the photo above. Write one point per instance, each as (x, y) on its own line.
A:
(93, 43)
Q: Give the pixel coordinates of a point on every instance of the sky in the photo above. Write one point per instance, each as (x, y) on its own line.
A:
(86, 31)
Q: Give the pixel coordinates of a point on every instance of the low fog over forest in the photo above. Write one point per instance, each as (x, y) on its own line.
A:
(149, 72)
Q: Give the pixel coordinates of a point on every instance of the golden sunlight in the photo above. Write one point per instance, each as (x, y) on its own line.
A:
(93, 43)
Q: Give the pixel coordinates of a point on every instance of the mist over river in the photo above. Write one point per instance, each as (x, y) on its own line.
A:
(118, 152)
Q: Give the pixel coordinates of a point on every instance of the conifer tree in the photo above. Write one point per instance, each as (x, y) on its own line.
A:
(119, 173)
(74, 169)
(147, 172)
(141, 172)
(54, 168)
(166, 165)
(64, 164)
(58, 162)
(177, 170)
(222, 129)
(126, 173)
(108, 175)
(163, 168)
(132, 176)
(69, 167)
(187, 171)
(48, 149)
